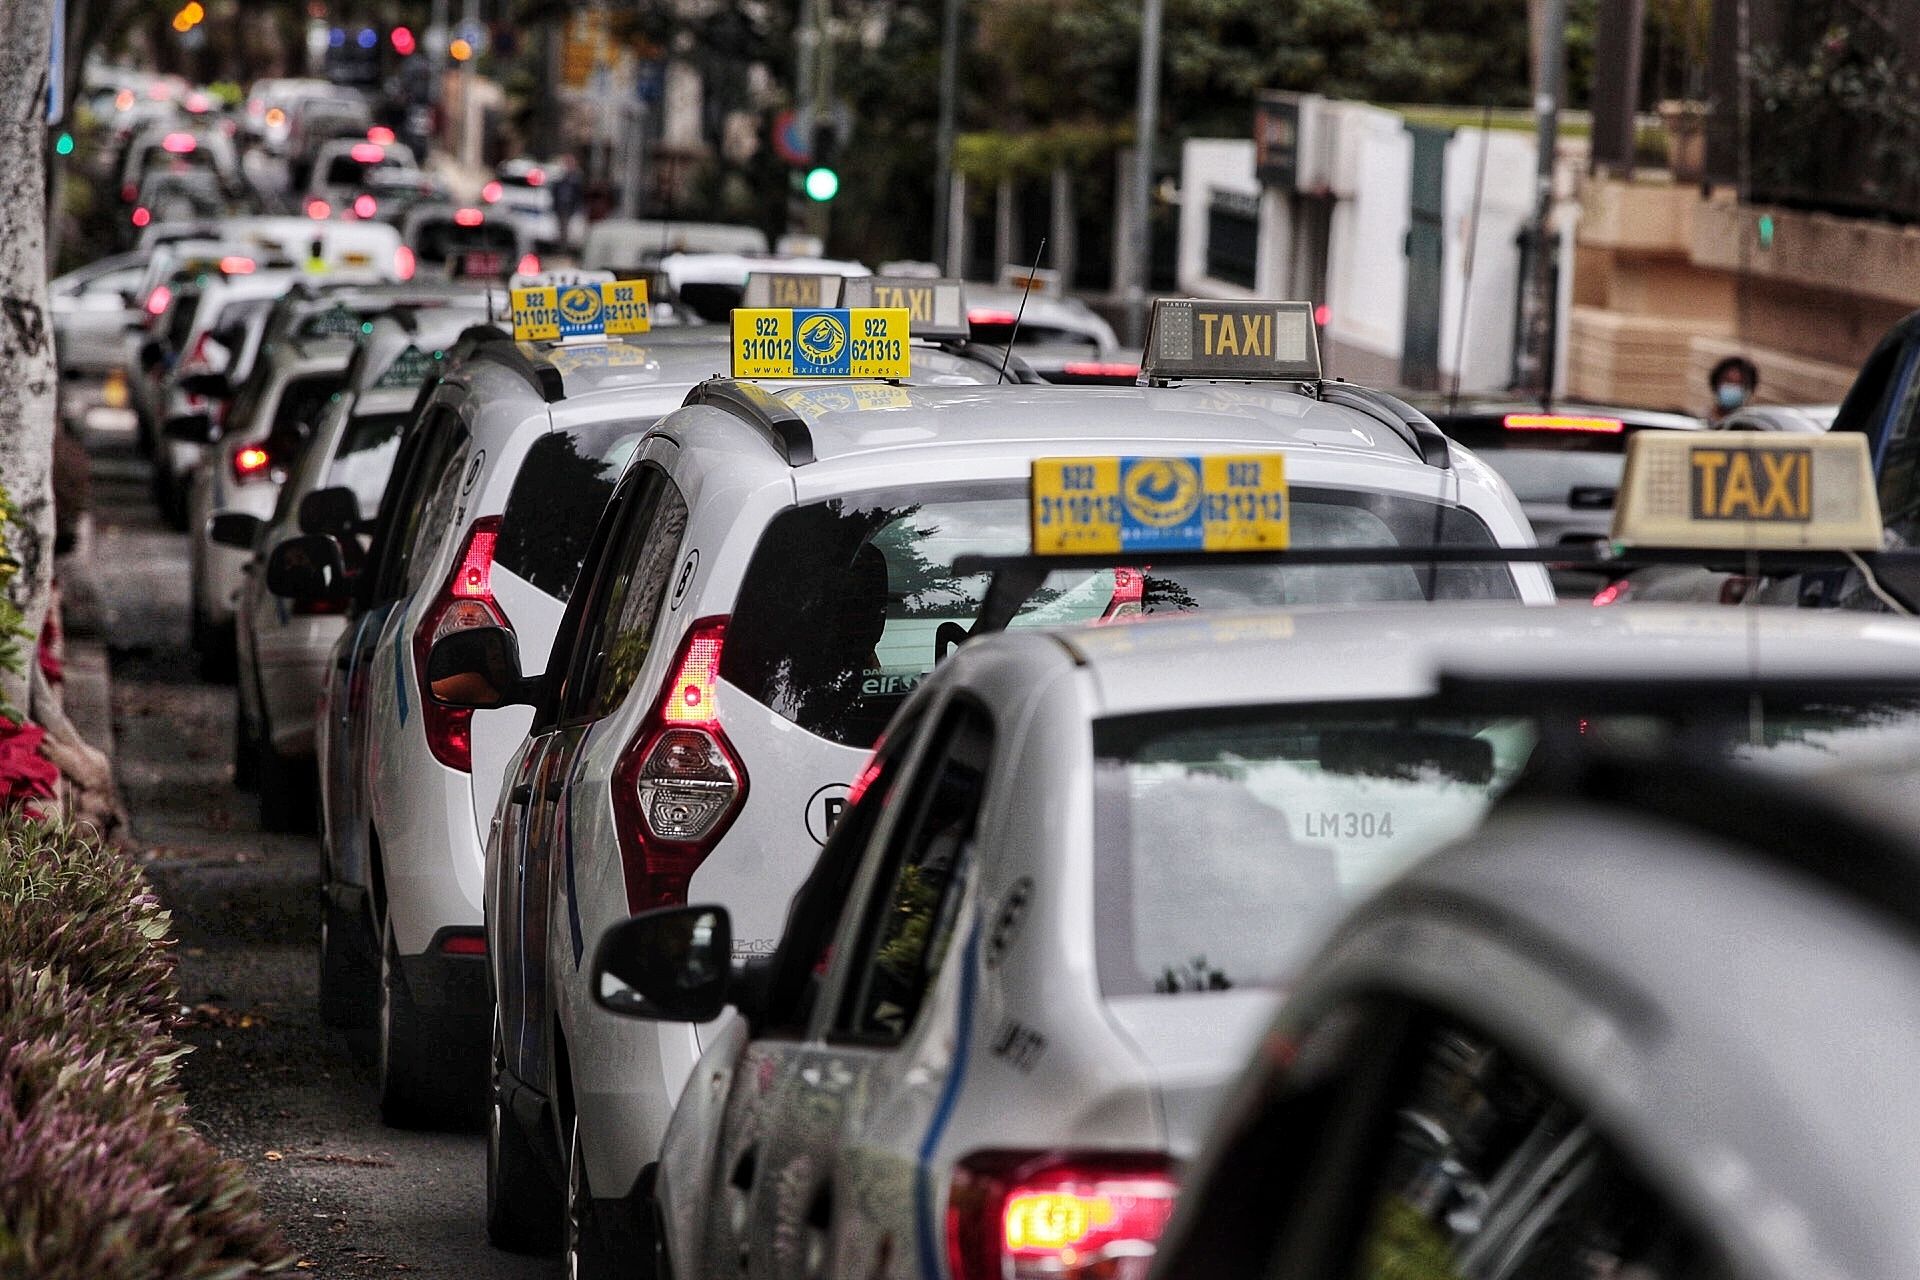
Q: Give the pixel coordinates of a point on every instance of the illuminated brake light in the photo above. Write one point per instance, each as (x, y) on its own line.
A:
(365, 206)
(1613, 593)
(123, 100)
(1100, 369)
(198, 103)
(160, 299)
(319, 210)
(465, 602)
(129, 193)
(679, 784)
(403, 263)
(492, 192)
(990, 317)
(1024, 1215)
(142, 216)
(536, 177)
(464, 944)
(1562, 422)
(380, 135)
(529, 264)
(1322, 314)
(235, 265)
(368, 152)
(180, 144)
(250, 463)
(468, 217)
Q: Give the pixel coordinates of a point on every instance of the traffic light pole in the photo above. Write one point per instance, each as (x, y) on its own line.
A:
(1140, 190)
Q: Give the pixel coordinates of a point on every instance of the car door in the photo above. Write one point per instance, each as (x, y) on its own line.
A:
(1443, 1152)
(855, 1099)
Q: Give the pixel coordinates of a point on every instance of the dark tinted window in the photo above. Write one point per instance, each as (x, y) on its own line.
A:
(996, 332)
(436, 241)
(1489, 1172)
(847, 604)
(364, 461)
(557, 499)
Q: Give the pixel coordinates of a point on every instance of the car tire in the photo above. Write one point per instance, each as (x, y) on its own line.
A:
(348, 974)
(287, 790)
(415, 1069)
(603, 1238)
(246, 758)
(524, 1206)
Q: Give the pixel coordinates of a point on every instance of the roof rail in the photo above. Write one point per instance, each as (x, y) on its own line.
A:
(534, 367)
(1411, 425)
(759, 408)
(1018, 370)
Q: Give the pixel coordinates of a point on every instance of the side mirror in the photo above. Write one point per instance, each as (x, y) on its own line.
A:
(333, 510)
(672, 965)
(212, 385)
(478, 668)
(191, 428)
(309, 568)
(236, 529)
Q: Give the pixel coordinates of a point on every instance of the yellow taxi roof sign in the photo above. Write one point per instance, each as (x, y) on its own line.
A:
(593, 309)
(1238, 339)
(1748, 490)
(820, 342)
(1130, 506)
(936, 308)
(791, 289)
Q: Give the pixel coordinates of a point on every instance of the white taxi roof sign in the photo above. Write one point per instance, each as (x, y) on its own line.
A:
(791, 289)
(1235, 339)
(543, 279)
(820, 342)
(550, 313)
(408, 369)
(1134, 505)
(936, 308)
(1748, 490)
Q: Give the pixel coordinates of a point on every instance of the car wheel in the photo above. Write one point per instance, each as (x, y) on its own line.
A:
(603, 1239)
(347, 970)
(246, 760)
(523, 1204)
(287, 790)
(416, 1069)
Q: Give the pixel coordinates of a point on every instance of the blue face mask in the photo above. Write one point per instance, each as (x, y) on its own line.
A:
(1730, 395)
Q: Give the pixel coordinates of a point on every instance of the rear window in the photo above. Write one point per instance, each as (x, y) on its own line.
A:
(557, 499)
(847, 604)
(436, 241)
(1484, 431)
(996, 333)
(364, 461)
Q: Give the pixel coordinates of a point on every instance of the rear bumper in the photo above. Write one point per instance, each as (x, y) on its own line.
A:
(452, 988)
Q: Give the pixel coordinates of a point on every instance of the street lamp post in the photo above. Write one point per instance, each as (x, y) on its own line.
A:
(1535, 372)
(1140, 196)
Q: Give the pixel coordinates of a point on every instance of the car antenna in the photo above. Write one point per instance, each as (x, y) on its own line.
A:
(1007, 358)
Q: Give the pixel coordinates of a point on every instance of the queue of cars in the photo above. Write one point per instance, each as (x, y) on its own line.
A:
(830, 799)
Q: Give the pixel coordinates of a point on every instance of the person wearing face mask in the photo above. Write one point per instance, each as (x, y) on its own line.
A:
(1733, 382)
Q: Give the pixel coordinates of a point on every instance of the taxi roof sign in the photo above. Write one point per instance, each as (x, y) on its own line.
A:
(540, 279)
(407, 370)
(1043, 281)
(611, 308)
(791, 289)
(1748, 490)
(1242, 340)
(1127, 506)
(814, 342)
(936, 308)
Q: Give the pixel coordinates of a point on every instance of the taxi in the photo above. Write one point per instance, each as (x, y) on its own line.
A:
(1677, 1047)
(1071, 885)
(774, 576)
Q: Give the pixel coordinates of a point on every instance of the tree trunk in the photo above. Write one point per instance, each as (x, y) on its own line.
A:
(27, 374)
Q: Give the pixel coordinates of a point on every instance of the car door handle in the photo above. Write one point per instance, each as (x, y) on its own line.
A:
(1592, 497)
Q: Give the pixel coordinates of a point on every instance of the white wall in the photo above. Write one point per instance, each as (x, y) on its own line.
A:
(1366, 257)
(1208, 165)
(1505, 207)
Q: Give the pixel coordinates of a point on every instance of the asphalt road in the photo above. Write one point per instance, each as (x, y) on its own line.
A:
(290, 1098)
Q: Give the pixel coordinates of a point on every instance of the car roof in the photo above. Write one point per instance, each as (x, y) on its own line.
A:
(1403, 651)
(1204, 413)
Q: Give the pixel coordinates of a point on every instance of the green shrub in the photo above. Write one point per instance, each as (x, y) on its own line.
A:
(71, 903)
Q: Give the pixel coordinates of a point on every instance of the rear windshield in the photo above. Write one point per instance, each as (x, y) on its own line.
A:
(300, 407)
(847, 604)
(996, 333)
(1484, 431)
(557, 499)
(1282, 819)
(435, 242)
(364, 460)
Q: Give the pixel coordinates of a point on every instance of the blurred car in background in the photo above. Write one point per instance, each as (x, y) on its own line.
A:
(634, 247)
(519, 192)
(1802, 419)
(1062, 338)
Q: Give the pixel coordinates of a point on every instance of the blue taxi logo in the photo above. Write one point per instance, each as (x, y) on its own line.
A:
(820, 339)
(580, 307)
(1161, 492)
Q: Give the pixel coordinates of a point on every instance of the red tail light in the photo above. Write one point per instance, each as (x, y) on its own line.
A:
(465, 602)
(1614, 592)
(251, 463)
(180, 144)
(236, 265)
(1100, 369)
(142, 216)
(982, 316)
(468, 217)
(319, 210)
(492, 192)
(1129, 588)
(1562, 422)
(679, 784)
(403, 263)
(1016, 1215)
(129, 193)
(365, 206)
(159, 300)
(367, 152)
(529, 264)
(463, 944)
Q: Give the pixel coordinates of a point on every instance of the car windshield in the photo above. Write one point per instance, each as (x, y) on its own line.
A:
(847, 604)
(1228, 842)
(364, 460)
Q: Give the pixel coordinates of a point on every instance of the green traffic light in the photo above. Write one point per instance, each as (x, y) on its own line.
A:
(1766, 231)
(823, 184)
(63, 145)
